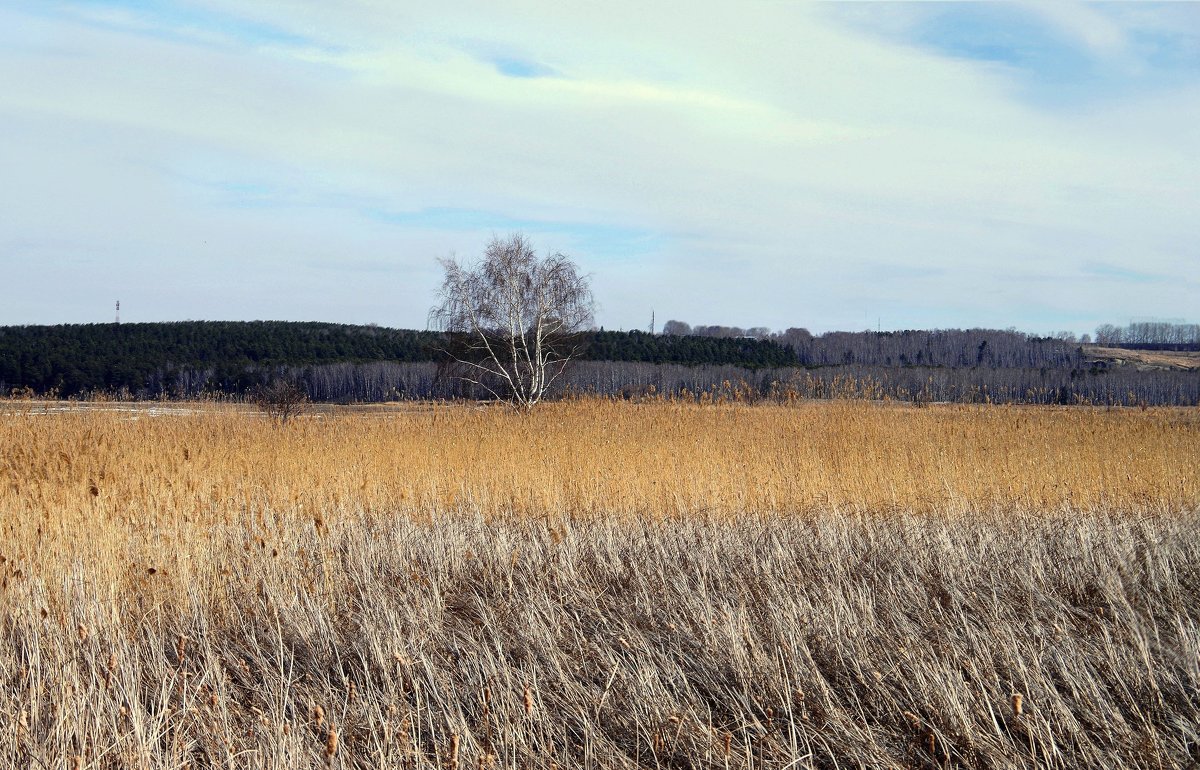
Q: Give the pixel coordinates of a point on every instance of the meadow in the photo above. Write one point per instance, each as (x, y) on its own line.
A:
(600, 584)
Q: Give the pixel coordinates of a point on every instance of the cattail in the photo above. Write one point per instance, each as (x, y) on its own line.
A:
(528, 701)
(77, 763)
(404, 732)
(318, 715)
(1017, 704)
(111, 669)
(727, 743)
(331, 743)
(82, 630)
(454, 741)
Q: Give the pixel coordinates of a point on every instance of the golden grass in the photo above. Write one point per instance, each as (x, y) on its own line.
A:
(93, 482)
(600, 584)
(598, 457)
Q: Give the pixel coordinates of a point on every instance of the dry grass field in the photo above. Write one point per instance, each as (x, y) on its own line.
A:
(601, 585)
(1145, 359)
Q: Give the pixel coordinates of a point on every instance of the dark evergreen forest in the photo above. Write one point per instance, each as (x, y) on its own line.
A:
(337, 362)
(227, 356)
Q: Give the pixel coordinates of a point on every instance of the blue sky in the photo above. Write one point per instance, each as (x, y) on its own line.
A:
(832, 165)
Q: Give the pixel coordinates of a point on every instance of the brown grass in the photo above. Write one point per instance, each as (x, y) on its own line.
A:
(601, 585)
(1145, 359)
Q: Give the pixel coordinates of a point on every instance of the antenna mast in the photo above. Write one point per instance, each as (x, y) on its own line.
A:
(118, 311)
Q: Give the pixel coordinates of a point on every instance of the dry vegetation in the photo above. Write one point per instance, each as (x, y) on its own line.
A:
(837, 584)
(1145, 359)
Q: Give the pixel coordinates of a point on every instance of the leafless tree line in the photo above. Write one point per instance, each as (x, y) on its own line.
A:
(1149, 333)
(389, 381)
(826, 348)
(987, 348)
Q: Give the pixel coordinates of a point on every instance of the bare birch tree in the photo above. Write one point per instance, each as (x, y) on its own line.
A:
(513, 320)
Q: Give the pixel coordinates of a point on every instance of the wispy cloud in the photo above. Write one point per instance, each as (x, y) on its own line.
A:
(1084, 23)
(1058, 53)
(190, 24)
(777, 164)
(1126, 275)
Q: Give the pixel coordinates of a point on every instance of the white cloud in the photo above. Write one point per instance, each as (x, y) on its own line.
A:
(785, 169)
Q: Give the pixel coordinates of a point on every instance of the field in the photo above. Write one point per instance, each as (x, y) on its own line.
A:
(1145, 359)
(600, 584)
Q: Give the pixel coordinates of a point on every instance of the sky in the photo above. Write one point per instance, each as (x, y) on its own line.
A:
(834, 166)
